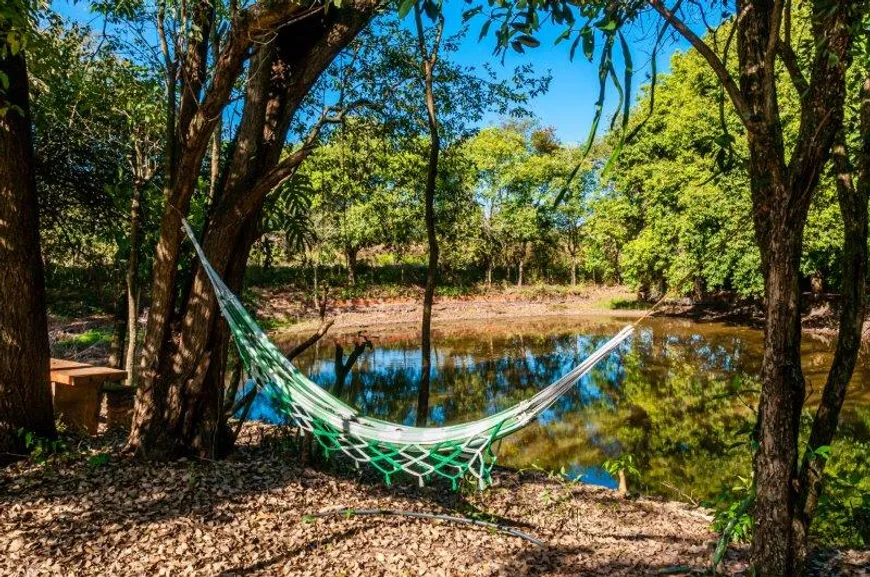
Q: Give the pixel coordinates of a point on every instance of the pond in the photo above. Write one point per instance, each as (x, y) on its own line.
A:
(679, 396)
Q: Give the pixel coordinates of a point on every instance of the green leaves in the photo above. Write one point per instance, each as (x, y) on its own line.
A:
(471, 13)
(588, 42)
(524, 40)
(99, 460)
(607, 24)
(819, 453)
(405, 7)
(527, 40)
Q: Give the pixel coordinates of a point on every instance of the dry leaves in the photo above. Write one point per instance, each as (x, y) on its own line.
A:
(244, 516)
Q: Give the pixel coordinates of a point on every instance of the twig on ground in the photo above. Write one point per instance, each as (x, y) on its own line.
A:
(347, 512)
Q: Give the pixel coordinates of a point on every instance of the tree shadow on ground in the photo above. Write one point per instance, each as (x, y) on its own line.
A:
(59, 511)
(86, 501)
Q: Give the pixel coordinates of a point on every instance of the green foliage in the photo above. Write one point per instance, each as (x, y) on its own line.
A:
(843, 514)
(731, 512)
(17, 21)
(97, 117)
(99, 461)
(82, 341)
(41, 449)
(622, 464)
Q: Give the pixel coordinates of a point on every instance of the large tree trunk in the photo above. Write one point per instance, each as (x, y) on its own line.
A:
(25, 397)
(853, 194)
(429, 61)
(180, 413)
(782, 187)
(781, 401)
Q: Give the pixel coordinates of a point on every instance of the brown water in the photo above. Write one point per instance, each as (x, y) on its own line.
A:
(679, 396)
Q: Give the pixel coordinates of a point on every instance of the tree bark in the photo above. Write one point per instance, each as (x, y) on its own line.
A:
(779, 409)
(350, 260)
(119, 332)
(132, 282)
(781, 192)
(25, 396)
(853, 194)
(179, 409)
(429, 61)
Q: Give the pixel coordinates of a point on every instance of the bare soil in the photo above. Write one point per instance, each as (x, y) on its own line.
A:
(289, 314)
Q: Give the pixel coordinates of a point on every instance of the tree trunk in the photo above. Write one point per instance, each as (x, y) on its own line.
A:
(429, 61)
(853, 197)
(782, 396)
(350, 259)
(119, 332)
(698, 289)
(268, 256)
(25, 397)
(520, 273)
(179, 408)
(488, 274)
(573, 271)
(132, 282)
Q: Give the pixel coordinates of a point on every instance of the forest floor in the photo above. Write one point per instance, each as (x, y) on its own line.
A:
(98, 512)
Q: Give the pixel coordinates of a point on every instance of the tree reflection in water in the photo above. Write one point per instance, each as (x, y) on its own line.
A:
(679, 396)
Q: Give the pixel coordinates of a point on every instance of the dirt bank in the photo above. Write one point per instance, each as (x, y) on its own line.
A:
(398, 315)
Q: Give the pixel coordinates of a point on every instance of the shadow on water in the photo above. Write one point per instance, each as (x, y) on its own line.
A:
(679, 396)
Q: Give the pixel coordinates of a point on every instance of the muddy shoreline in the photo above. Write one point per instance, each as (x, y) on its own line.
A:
(392, 316)
(288, 315)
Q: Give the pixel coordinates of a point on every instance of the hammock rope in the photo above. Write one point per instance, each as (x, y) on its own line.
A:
(453, 452)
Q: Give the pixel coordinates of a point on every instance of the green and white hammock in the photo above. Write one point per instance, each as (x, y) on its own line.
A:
(454, 452)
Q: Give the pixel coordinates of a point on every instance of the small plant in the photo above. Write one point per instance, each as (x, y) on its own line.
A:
(565, 483)
(622, 468)
(98, 461)
(192, 477)
(732, 518)
(41, 448)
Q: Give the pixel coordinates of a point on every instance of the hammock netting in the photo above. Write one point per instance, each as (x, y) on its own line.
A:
(455, 452)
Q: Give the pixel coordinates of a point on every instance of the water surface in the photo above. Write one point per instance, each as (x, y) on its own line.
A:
(679, 396)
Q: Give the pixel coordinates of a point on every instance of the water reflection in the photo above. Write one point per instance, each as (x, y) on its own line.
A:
(679, 396)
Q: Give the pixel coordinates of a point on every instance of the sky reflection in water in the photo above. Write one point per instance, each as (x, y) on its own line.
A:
(669, 396)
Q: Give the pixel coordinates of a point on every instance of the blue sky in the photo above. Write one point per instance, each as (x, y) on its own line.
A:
(568, 106)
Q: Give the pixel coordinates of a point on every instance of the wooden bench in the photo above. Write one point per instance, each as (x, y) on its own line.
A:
(76, 388)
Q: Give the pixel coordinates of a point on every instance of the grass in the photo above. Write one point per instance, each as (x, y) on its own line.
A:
(620, 304)
(83, 340)
(276, 324)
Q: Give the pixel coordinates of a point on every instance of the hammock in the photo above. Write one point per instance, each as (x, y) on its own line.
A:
(454, 452)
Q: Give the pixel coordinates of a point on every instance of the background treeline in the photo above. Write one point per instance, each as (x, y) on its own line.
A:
(672, 213)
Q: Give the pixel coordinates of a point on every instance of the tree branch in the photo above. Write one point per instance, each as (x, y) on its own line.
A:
(286, 168)
(304, 345)
(789, 59)
(712, 59)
